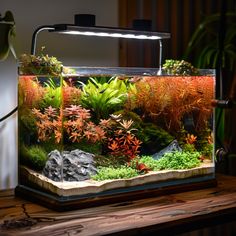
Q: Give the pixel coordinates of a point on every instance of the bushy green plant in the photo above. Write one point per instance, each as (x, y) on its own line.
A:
(176, 67)
(153, 138)
(122, 172)
(151, 163)
(40, 65)
(95, 148)
(53, 94)
(207, 150)
(187, 147)
(179, 160)
(33, 156)
(105, 97)
(109, 160)
(173, 160)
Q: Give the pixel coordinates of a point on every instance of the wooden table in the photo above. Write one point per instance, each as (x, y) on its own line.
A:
(161, 215)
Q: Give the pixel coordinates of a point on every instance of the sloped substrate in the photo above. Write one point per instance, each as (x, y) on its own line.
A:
(92, 186)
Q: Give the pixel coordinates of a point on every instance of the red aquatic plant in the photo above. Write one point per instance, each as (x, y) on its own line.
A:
(166, 100)
(71, 94)
(142, 168)
(30, 91)
(78, 126)
(123, 142)
(49, 124)
(191, 139)
(73, 120)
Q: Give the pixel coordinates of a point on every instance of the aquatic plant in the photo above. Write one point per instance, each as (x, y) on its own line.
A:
(151, 163)
(153, 138)
(52, 93)
(49, 124)
(167, 100)
(207, 150)
(79, 126)
(27, 125)
(39, 65)
(71, 94)
(176, 67)
(74, 121)
(103, 98)
(180, 160)
(30, 92)
(173, 160)
(191, 139)
(33, 156)
(189, 147)
(123, 142)
(122, 172)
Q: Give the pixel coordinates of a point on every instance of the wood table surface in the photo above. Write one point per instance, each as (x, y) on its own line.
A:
(161, 215)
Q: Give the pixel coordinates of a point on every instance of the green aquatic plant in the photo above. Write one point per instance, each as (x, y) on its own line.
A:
(109, 160)
(27, 125)
(153, 138)
(104, 98)
(176, 67)
(207, 150)
(33, 156)
(151, 163)
(173, 160)
(122, 172)
(189, 147)
(52, 93)
(180, 160)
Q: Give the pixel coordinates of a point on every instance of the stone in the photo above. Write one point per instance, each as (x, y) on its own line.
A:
(76, 165)
(173, 146)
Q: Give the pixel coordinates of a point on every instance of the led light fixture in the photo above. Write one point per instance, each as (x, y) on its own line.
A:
(109, 32)
(92, 30)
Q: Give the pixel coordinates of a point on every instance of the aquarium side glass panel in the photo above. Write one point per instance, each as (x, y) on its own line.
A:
(115, 129)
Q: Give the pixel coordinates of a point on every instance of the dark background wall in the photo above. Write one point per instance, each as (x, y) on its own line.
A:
(181, 18)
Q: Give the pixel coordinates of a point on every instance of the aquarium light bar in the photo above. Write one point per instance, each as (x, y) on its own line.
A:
(109, 32)
(102, 32)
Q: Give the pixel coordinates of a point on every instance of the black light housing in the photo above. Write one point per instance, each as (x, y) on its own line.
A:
(85, 25)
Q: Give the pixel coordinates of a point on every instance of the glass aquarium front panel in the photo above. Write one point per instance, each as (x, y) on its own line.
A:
(115, 129)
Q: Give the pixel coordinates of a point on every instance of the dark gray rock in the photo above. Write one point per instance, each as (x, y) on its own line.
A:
(173, 146)
(76, 165)
(53, 166)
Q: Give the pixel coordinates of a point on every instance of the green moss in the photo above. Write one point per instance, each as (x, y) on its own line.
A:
(95, 148)
(187, 147)
(177, 67)
(123, 172)
(154, 138)
(173, 160)
(207, 150)
(34, 157)
(151, 163)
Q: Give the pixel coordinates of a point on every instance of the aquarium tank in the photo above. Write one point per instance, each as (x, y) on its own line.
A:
(89, 135)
